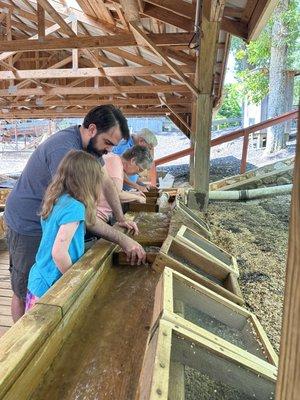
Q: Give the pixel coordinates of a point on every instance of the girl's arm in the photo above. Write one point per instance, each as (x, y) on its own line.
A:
(111, 195)
(61, 245)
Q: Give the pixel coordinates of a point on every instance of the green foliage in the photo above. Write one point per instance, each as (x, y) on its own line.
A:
(232, 103)
(253, 59)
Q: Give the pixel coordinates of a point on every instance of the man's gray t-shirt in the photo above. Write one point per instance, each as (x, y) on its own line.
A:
(24, 203)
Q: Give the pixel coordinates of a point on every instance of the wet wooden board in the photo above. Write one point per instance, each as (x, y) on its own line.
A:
(153, 228)
(112, 342)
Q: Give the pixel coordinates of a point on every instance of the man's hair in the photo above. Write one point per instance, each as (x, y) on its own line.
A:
(142, 156)
(148, 136)
(122, 122)
(106, 117)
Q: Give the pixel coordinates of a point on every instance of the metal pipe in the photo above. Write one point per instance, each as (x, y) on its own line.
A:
(235, 195)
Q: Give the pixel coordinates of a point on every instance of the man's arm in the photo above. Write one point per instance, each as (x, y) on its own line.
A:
(134, 185)
(112, 197)
(135, 252)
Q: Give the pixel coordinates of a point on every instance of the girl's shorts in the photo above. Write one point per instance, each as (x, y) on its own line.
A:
(31, 299)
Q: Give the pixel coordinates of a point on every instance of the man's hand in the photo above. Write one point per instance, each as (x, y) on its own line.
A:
(134, 251)
(130, 226)
(142, 188)
(142, 199)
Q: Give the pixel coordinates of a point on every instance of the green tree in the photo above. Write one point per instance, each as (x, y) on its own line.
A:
(262, 65)
(231, 104)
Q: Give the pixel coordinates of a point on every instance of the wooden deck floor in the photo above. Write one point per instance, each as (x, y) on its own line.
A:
(5, 294)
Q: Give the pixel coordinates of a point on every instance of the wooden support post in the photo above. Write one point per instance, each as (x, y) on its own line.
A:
(244, 154)
(41, 22)
(198, 198)
(9, 38)
(288, 385)
(75, 51)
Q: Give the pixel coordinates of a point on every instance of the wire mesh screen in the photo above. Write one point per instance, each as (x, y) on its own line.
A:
(208, 247)
(207, 375)
(216, 318)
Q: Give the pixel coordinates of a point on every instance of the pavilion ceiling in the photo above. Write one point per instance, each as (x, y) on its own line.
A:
(60, 58)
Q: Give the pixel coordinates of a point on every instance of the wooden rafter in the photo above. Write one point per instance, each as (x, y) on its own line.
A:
(54, 73)
(166, 60)
(91, 42)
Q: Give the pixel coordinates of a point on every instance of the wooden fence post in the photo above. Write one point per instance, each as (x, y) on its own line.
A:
(288, 385)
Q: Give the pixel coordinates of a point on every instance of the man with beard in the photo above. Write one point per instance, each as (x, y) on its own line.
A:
(103, 127)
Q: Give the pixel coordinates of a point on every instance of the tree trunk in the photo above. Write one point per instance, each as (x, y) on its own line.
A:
(277, 78)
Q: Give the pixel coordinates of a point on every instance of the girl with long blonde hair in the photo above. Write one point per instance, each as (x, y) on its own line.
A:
(69, 204)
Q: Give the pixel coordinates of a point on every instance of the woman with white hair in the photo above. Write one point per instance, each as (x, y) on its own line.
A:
(145, 138)
(134, 160)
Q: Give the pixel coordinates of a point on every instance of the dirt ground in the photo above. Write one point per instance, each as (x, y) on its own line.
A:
(256, 233)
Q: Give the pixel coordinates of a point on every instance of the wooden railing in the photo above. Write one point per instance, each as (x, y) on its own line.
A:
(244, 132)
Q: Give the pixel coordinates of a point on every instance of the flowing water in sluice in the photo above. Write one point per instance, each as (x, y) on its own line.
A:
(102, 358)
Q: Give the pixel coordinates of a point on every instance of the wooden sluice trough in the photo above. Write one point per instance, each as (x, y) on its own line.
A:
(109, 330)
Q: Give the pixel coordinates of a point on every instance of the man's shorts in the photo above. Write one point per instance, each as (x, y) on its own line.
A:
(22, 251)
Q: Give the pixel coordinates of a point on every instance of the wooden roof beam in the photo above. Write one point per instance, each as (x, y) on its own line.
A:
(153, 101)
(75, 112)
(48, 31)
(55, 73)
(103, 90)
(168, 17)
(41, 21)
(177, 71)
(56, 17)
(90, 42)
(259, 17)
(183, 8)
(235, 28)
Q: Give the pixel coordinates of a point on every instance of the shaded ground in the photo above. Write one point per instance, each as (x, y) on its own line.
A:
(256, 233)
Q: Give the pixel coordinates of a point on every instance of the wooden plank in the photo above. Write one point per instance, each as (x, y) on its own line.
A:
(143, 207)
(20, 343)
(168, 17)
(6, 320)
(145, 380)
(105, 90)
(93, 42)
(235, 28)
(48, 31)
(184, 9)
(160, 380)
(259, 17)
(53, 73)
(41, 22)
(288, 385)
(69, 287)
